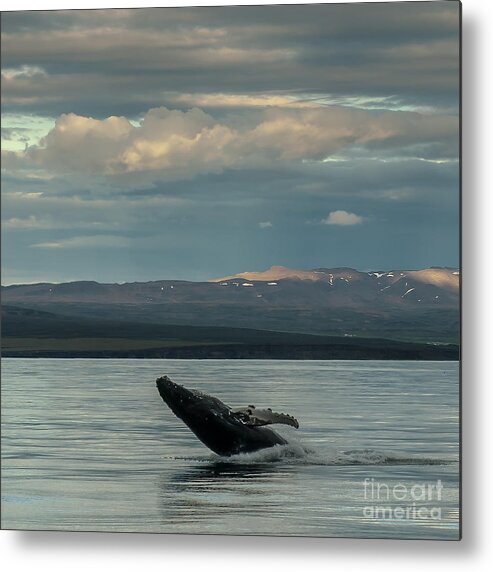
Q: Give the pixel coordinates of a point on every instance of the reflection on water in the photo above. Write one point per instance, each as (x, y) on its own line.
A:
(220, 490)
(89, 445)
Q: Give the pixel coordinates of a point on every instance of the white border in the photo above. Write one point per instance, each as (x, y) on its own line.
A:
(54, 552)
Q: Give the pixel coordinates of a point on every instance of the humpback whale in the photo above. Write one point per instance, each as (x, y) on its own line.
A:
(225, 430)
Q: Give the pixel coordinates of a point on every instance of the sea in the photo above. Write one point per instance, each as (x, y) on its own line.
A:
(88, 445)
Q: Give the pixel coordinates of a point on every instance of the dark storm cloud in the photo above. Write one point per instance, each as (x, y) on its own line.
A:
(291, 199)
(91, 57)
(198, 229)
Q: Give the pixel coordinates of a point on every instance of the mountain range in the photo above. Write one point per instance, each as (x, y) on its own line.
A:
(402, 305)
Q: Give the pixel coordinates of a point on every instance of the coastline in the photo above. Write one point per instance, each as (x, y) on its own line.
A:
(361, 351)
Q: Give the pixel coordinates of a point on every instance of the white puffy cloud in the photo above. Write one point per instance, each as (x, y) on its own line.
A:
(82, 144)
(265, 224)
(342, 218)
(173, 144)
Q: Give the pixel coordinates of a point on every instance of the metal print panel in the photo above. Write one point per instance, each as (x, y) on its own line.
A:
(230, 270)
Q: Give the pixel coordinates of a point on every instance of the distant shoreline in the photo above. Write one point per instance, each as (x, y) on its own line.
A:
(409, 352)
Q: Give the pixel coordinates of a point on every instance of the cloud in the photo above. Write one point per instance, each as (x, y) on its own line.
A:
(100, 241)
(242, 100)
(342, 218)
(33, 222)
(116, 59)
(24, 71)
(266, 224)
(291, 120)
(173, 144)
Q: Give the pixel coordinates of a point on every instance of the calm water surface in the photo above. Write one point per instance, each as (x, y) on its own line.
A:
(89, 445)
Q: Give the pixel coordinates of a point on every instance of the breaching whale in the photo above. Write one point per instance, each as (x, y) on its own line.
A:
(225, 430)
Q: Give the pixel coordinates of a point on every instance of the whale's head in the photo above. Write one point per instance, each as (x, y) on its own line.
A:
(213, 422)
(190, 404)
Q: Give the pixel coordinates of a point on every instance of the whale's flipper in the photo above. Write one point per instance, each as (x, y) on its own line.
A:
(255, 417)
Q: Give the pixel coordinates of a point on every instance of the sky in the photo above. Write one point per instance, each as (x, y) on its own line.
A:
(193, 143)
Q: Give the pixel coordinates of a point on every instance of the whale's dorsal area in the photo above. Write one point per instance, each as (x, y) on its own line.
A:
(255, 417)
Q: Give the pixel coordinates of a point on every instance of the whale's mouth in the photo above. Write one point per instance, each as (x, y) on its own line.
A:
(187, 403)
(171, 392)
